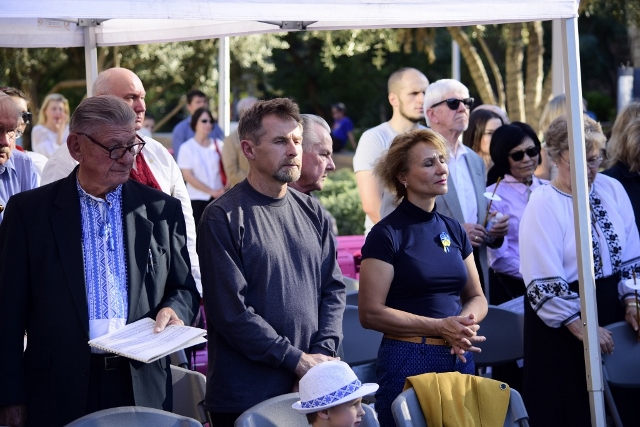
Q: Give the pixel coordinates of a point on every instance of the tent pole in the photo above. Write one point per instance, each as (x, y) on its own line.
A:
(224, 85)
(90, 53)
(557, 57)
(580, 193)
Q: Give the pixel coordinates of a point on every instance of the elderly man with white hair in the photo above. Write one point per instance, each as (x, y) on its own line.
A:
(446, 107)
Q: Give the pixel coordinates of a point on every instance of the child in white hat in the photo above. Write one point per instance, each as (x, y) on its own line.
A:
(331, 395)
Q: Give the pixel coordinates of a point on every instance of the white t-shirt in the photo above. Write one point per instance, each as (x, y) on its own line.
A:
(204, 162)
(372, 145)
(45, 141)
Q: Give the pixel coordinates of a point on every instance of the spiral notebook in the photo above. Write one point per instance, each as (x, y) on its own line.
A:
(138, 341)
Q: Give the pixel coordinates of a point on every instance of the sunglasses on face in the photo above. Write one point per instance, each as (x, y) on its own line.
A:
(516, 156)
(454, 103)
(205, 121)
(26, 117)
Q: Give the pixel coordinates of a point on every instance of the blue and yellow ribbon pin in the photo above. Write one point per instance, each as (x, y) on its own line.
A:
(446, 241)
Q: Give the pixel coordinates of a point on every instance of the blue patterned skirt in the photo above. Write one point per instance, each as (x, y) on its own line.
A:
(398, 360)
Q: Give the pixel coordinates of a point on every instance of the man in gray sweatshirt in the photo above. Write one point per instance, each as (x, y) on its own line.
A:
(273, 291)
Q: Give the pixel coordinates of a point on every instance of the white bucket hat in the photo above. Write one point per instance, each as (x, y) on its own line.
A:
(330, 384)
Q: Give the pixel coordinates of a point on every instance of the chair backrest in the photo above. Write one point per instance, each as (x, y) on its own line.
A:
(189, 388)
(504, 330)
(621, 367)
(134, 416)
(179, 358)
(351, 284)
(360, 345)
(408, 413)
(277, 412)
(352, 298)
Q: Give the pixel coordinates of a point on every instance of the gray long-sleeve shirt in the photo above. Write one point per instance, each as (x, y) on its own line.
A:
(272, 290)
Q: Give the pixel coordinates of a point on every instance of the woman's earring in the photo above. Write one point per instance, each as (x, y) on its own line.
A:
(405, 184)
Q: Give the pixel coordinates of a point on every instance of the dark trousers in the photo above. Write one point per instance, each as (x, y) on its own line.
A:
(222, 419)
(109, 383)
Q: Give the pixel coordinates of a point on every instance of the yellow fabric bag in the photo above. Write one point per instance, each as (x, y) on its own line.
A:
(453, 399)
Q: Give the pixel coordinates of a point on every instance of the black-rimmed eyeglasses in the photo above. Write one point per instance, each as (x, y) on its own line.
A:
(116, 153)
(454, 103)
(516, 156)
(12, 134)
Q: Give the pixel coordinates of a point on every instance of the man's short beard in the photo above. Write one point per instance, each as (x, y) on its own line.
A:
(411, 119)
(287, 176)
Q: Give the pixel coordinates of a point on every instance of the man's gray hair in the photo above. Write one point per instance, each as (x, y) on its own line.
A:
(9, 108)
(98, 112)
(245, 103)
(309, 135)
(437, 91)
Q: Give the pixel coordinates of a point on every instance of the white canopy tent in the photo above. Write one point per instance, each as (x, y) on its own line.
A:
(75, 23)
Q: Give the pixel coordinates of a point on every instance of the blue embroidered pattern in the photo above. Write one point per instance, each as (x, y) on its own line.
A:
(333, 397)
(104, 255)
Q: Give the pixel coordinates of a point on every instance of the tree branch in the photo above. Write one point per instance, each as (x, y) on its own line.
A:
(474, 62)
(535, 74)
(495, 70)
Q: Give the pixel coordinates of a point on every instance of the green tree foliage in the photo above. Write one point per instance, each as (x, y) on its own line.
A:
(340, 197)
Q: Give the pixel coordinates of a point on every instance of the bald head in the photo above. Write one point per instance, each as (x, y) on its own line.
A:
(9, 122)
(124, 84)
(396, 79)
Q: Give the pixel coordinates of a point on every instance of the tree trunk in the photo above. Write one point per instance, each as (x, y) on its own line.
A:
(533, 85)
(495, 70)
(513, 71)
(474, 62)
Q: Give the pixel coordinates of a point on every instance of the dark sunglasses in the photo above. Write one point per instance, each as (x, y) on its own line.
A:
(26, 117)
(516, 156)
(454, 103)
(206, 121)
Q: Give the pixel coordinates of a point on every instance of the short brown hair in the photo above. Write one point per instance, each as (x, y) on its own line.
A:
(556, 136)
(312, 417)
(250, 125)
(396, 160)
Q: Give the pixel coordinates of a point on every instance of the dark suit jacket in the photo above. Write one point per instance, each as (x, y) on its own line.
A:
(42, 291)
(449, 205)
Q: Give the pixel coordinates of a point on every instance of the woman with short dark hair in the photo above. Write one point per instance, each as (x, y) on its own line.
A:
(515, 151)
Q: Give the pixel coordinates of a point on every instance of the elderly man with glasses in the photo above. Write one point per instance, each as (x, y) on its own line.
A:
(17, 172)
(80, 258)
(446, 106)
(155, 168)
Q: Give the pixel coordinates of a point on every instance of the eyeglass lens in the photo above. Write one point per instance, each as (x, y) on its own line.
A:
(26, 117)
(205, 121)
(454, 103)
(117, 153)
(516, 156)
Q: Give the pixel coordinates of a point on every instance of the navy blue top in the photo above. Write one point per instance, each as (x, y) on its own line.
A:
(427, 280)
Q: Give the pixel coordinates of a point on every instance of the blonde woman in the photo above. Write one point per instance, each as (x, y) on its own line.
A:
(53, 125)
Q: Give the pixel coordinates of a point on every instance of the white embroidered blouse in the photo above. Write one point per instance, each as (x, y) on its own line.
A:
(548, 260)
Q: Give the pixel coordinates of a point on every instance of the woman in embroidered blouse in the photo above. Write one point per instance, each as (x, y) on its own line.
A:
(553, 324)
(199, 159)
(52, 129)
(515, 151)
(418, 281)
